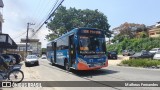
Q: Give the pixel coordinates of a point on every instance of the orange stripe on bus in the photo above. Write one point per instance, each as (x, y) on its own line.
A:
(82, 66)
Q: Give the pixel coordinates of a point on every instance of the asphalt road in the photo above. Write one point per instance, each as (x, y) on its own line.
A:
(46, 72)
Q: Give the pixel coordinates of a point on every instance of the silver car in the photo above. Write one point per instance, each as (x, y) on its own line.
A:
(154, 50)
(157, 55)
(32, 60)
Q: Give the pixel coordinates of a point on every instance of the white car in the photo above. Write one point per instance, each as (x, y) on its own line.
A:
(154, 50)
(31, 59)
(157, 56)
(43, 57)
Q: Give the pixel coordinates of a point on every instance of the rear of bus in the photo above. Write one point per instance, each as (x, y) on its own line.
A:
(91, 51)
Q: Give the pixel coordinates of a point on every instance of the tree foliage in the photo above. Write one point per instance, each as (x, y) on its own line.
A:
(130, 31)
(65, 20)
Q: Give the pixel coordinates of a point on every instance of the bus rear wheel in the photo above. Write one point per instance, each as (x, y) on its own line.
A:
(52, 62)
(67, 66)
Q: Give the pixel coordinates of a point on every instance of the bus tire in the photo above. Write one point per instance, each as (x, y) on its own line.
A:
(66, 65)
(52, 62)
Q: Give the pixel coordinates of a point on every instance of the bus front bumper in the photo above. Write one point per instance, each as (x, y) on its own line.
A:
(83, 66)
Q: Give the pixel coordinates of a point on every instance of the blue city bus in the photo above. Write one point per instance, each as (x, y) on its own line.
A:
(79, 49)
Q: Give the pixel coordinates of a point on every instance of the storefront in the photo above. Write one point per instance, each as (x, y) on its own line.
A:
(6, 42)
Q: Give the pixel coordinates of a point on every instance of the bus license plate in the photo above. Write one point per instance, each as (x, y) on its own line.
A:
(98, 64)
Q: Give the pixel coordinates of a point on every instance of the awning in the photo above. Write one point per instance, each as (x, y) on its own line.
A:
(6, 42)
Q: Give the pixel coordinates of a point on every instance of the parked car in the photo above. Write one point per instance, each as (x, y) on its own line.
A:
(17, 57)
(9, 59)
(112, 55)
(31, 59)
(128, 52)
(157, 55)
(142, 54)
(154, 50)
(44, 56)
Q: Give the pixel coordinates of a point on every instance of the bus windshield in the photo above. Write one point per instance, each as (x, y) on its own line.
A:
(91, 44)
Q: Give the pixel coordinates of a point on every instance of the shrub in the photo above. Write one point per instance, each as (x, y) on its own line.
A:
(141, 62)
(136, 44)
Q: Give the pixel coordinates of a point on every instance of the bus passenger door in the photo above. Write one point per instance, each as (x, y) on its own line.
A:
(72, 50)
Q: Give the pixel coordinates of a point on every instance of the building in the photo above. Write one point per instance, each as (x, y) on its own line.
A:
(155, 31)
(21, 49)
(158, 24)
(35, 46)
(1, 15)
(6, 42)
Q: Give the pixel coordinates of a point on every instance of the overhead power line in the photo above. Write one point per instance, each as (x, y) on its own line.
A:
(20, 35)
(42, 12)
(46, 16)
(49, 16)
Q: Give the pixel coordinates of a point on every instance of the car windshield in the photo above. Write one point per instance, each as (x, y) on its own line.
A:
(5, 56)
(31, 57)
(155, 49)
(91, 44)
(113, 52)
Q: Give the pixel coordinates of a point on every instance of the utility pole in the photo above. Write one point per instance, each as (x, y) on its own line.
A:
(28, 24)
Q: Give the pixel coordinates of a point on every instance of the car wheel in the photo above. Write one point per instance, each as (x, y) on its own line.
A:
(18, 61)
(26, 64)
(37, 63)
(135, 58)
(116, 58)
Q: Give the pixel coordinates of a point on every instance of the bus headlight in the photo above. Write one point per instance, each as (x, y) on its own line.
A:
(81, 60)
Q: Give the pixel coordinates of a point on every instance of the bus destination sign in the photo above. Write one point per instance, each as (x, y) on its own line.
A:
(91, 32)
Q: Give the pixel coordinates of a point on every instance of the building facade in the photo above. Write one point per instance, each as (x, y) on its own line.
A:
(21, 49)
(34, 46)
(155, 31)
(1, 15)
(6, 42)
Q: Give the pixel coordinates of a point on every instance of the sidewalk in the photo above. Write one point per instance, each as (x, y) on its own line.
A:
(115, 62)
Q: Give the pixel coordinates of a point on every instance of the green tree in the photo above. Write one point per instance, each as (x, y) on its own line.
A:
(143, 34)
(65, 20)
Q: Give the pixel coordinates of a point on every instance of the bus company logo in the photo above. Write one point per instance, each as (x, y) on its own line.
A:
(100, 59)
(6, 84)
(59, 54)
(91, 60)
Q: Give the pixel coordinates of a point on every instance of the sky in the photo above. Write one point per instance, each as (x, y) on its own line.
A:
(17, 13)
